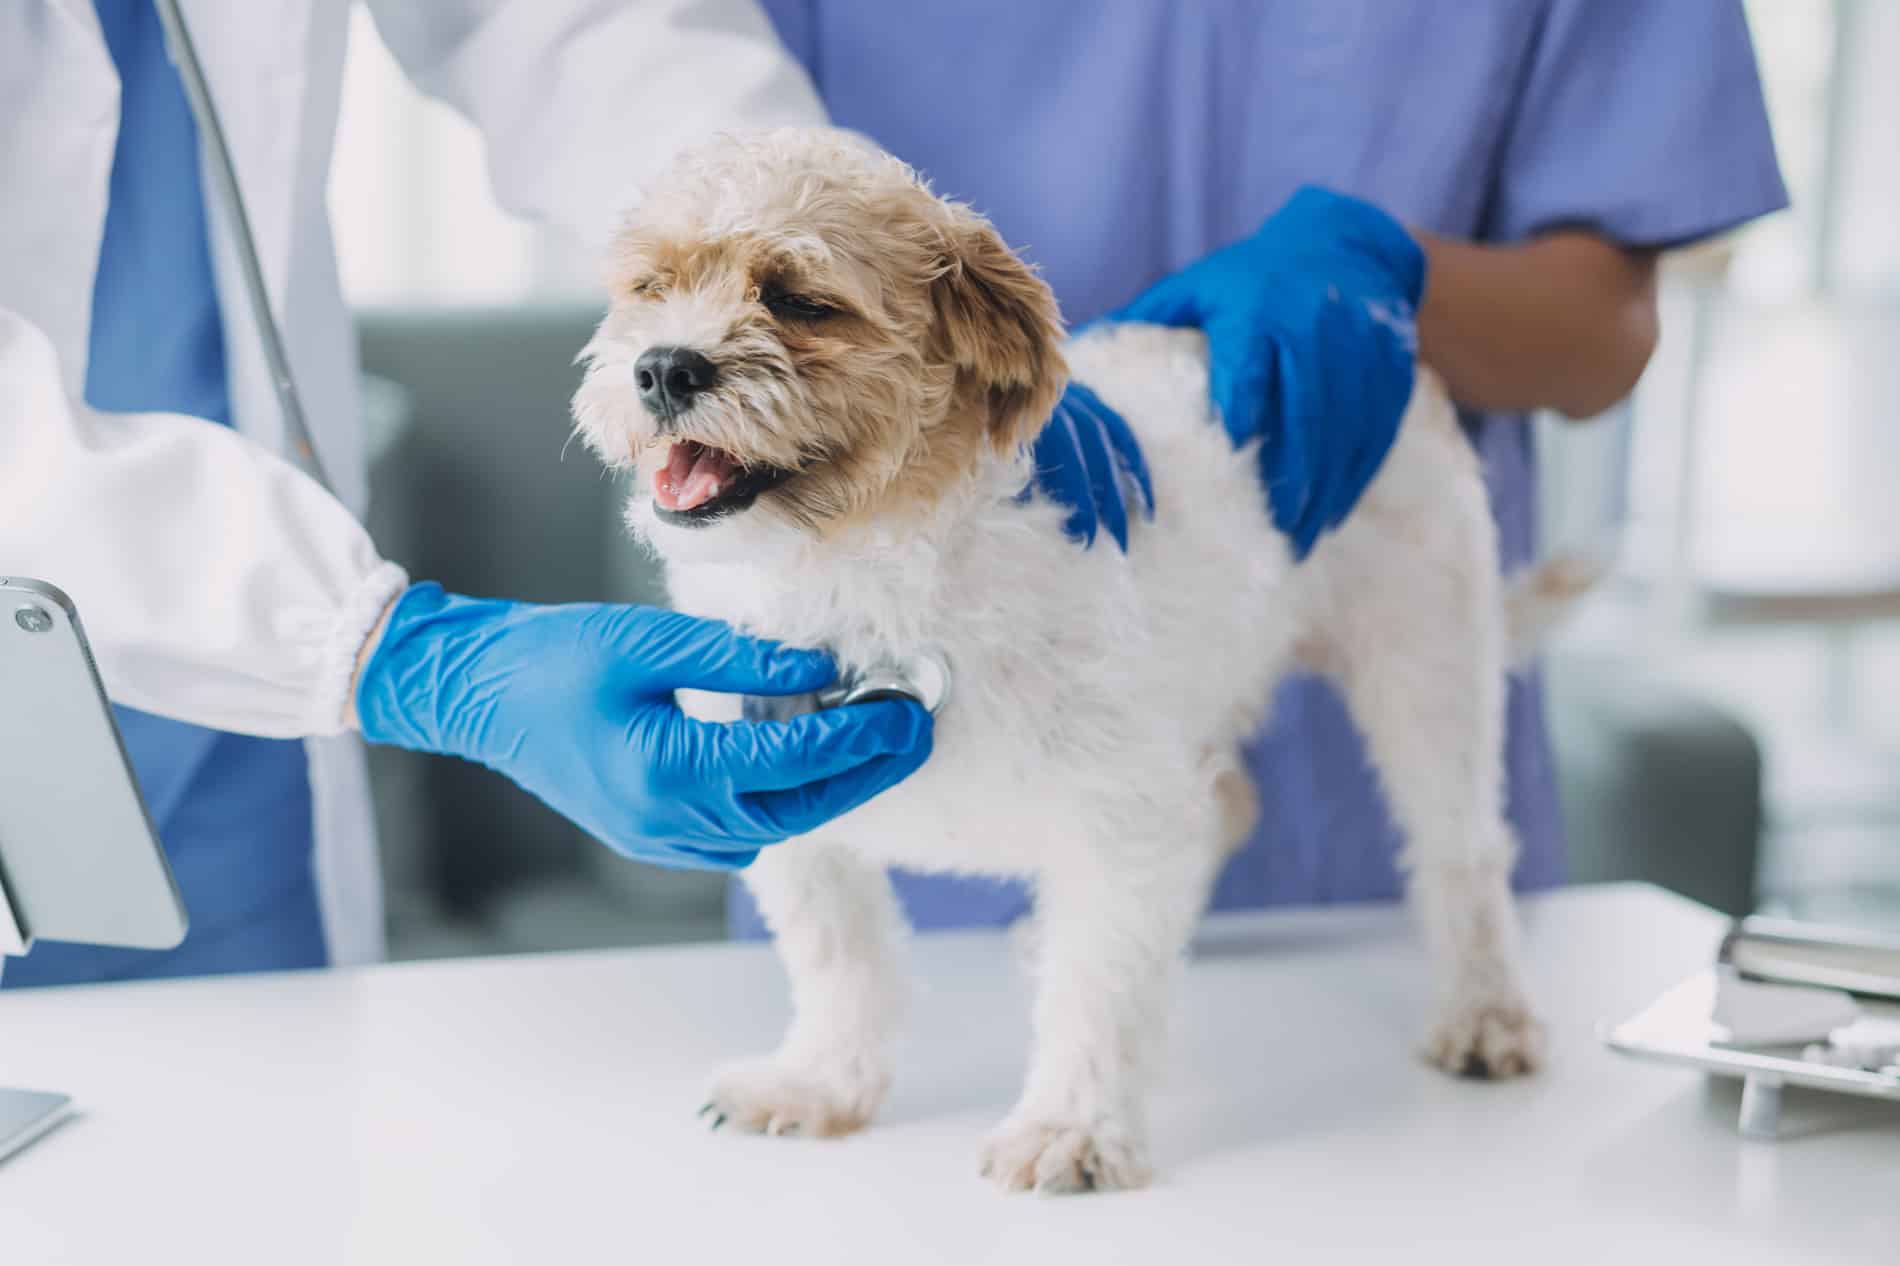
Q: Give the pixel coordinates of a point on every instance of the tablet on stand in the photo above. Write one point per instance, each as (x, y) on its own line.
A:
(79, 860)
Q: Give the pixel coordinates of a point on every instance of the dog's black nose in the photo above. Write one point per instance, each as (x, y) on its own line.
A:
(670, 377)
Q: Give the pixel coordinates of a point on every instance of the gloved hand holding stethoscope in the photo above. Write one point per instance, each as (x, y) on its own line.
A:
(575, 703)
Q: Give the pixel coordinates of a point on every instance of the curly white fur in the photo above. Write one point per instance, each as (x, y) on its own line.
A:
(1099, 701)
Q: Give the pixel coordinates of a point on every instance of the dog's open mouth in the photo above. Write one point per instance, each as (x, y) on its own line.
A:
(700, 483)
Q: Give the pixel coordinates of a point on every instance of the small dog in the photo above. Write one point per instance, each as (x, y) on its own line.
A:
(825, 377)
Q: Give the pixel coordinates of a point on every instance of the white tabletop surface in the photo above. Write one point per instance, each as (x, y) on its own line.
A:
(541, 1109)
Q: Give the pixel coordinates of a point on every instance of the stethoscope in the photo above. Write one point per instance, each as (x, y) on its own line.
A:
(924, 677)
(300, 448)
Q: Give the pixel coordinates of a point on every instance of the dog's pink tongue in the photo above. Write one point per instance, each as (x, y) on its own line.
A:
(692, 476)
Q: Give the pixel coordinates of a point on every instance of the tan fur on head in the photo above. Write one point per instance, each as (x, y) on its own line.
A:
(940, 349)
(999, 326)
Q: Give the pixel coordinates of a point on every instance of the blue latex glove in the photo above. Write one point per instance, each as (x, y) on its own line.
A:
(1086, 459)
(575, 703)
(1311, 345)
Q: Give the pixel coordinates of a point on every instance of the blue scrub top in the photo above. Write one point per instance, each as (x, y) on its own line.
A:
(233, 811)
(1115, 141)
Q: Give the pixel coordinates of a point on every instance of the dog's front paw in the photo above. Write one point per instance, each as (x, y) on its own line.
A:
(779, 1096)
(1486, 1040)
(1060, 1157)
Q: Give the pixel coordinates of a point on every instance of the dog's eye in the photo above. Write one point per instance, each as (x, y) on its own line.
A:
(649, 288)
(795, 307)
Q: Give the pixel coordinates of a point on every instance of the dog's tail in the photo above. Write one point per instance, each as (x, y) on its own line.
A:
(1541, 597)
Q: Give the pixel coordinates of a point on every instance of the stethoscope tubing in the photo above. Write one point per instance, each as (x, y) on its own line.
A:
(300, 447)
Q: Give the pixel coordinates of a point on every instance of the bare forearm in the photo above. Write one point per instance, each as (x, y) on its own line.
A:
(1564, 322)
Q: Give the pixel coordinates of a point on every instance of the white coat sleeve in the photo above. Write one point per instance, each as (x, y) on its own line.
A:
(217, 583)
(581, 101)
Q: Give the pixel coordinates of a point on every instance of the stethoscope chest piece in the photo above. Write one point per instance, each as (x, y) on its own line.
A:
(923, 678)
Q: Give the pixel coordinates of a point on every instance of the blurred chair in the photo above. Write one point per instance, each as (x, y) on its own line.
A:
(1656, 783)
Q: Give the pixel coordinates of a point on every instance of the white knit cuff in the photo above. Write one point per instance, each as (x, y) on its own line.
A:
(330, 708)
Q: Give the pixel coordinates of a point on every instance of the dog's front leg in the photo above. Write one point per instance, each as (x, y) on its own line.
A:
(837, 927)
(1109, 936)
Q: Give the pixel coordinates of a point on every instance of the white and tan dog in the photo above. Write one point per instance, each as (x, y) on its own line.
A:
(825, 377)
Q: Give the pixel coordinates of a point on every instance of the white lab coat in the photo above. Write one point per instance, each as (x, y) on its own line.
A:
(219, 585)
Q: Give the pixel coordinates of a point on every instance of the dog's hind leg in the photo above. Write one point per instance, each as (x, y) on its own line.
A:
(1418, 646)
(1112, 920)
(838, 930)
(1432, 718)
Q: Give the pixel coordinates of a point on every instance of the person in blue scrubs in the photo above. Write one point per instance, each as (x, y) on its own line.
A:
(1541, 151)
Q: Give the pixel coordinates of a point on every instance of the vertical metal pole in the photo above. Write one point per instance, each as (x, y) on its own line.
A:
(1841, 76)
(1761, 1107)
(1680, 603)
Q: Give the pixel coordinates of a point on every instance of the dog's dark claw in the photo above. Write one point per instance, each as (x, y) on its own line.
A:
(704, 1108)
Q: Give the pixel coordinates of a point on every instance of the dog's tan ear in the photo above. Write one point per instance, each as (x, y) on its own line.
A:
(1001, 330)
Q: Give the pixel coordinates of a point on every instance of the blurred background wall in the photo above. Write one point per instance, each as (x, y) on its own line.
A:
(1716, 706)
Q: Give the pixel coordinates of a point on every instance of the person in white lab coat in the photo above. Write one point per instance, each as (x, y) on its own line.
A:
(232, 602)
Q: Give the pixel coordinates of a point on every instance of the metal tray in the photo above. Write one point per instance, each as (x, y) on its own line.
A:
(1677, 1028)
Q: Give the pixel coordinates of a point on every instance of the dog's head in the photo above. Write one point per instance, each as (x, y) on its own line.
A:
(802, 336)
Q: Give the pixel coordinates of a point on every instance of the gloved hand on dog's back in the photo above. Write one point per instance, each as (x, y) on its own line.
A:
(1088, 460)
(1311, 341)
(575, 703)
